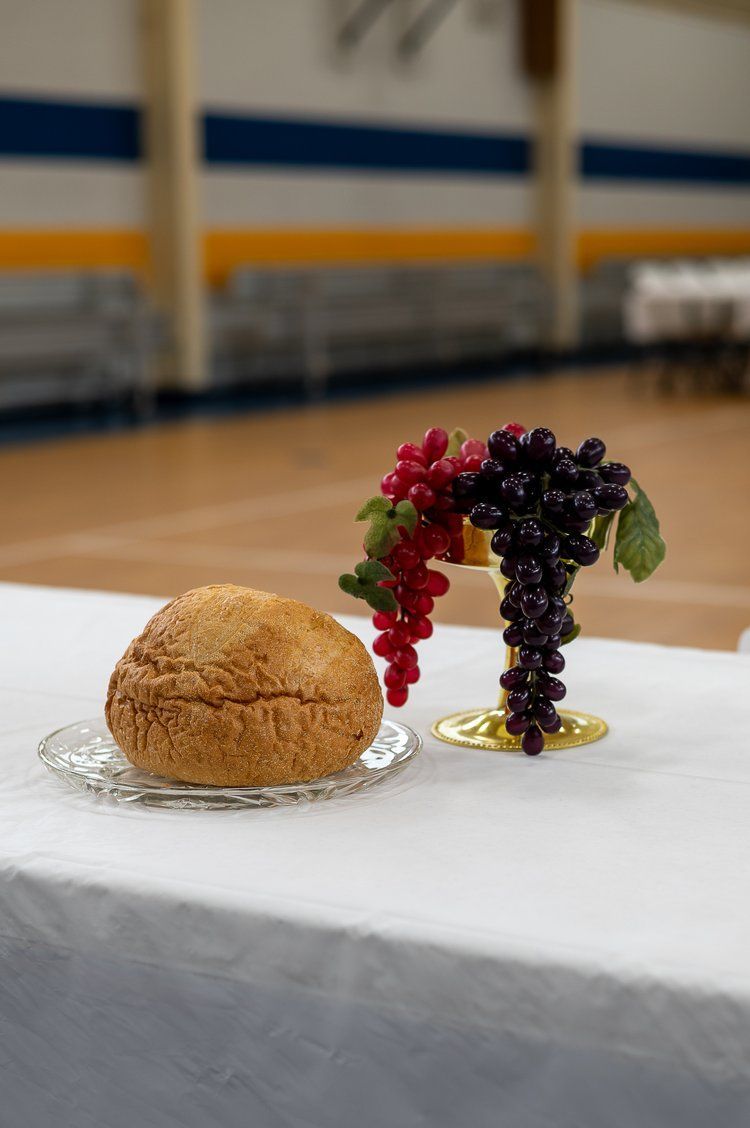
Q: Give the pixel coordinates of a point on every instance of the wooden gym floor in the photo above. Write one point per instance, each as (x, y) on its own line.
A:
(268, 501)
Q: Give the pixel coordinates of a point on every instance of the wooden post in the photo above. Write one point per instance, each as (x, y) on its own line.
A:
(172, 151)
(548, 51)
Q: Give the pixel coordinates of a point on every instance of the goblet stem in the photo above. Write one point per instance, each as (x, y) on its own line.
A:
(511, 652)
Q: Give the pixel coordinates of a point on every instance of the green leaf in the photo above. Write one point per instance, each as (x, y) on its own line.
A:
(569, 581)
(638, 543)
(372, 571)
(372, 507)
(457, 437)
(573, 634)
(601, 530)
(406, 515)
(385, 520)
(365, 584)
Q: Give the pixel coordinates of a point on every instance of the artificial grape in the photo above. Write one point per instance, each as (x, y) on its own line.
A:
(504, 446)
(583, 505)
(508, 567)
(555, 575)
(411, 472)
(561, 453)
(612, 496)
(509, 611)
(434, 539)
(567, 625)
(550, 621)
(530, 657)
(551, 726)
(519, 698)
(615, 472)
(529, 532)
(540, 444)
(421, 627)
(512, 678)
(405, 596)
(391, 485)
(513, 491)
(416, 578)
(384, 620)
(543, 709)
(532, 740)
(493, 471)
(554, 662)
(410, 452)
(435, 443)
(406, 556)
(588, 480)
(590, 452)
(528, 570)
(421, 496)
(575, 524)
(424, 604)
(553, 688)
(467, 486)
(382, 645)
(397, 697)
(553, 501)
(513, 635)
(581, 549)
(440, 473)
(473, 448)
(534, 602)
(394, 677)
(532, 635)
(502, 540)
(550, 546)
(412, 675)
(517, 723)
(565, 472)
(553, 642)
(486, 516)
(399, 635)
(406, 657)
(437, 583)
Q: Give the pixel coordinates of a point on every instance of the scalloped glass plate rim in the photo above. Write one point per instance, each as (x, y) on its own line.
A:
(85, 756)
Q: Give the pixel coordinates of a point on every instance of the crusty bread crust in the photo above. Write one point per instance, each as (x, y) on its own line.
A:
(235, 687)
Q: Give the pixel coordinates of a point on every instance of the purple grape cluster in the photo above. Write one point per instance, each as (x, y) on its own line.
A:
(540, 499)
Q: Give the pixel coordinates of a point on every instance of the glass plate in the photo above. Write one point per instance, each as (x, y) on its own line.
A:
(86, 757)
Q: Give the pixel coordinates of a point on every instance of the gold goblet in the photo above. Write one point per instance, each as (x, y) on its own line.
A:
(485, 728)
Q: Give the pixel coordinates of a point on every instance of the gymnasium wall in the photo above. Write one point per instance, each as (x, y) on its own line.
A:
(313, 153)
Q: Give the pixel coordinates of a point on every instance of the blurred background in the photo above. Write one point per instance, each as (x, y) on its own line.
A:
(249, 246)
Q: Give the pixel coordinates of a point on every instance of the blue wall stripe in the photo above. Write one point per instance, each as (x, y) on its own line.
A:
(600, 161)
(66, 130)
(70, 130)
(235, 139)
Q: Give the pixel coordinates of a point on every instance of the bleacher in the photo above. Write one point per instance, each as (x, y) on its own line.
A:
(75, 338)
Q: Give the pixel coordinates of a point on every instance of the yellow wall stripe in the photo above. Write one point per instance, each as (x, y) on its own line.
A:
(70, 249)
(226, 249)
(596, 244)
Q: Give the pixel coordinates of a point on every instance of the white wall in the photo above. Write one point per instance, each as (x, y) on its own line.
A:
(280, 56)
(653, 75)
(79, 48)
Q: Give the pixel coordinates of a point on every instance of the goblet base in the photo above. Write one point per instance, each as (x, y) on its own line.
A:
(485, 728)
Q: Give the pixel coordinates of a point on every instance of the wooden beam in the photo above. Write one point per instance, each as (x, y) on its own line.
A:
(555, 168)
(172, 150)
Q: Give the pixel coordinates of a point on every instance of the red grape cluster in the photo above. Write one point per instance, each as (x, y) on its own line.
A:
(424, 476)
(539, 499)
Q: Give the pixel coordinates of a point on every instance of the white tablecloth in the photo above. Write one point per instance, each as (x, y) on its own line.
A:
(487, 942)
